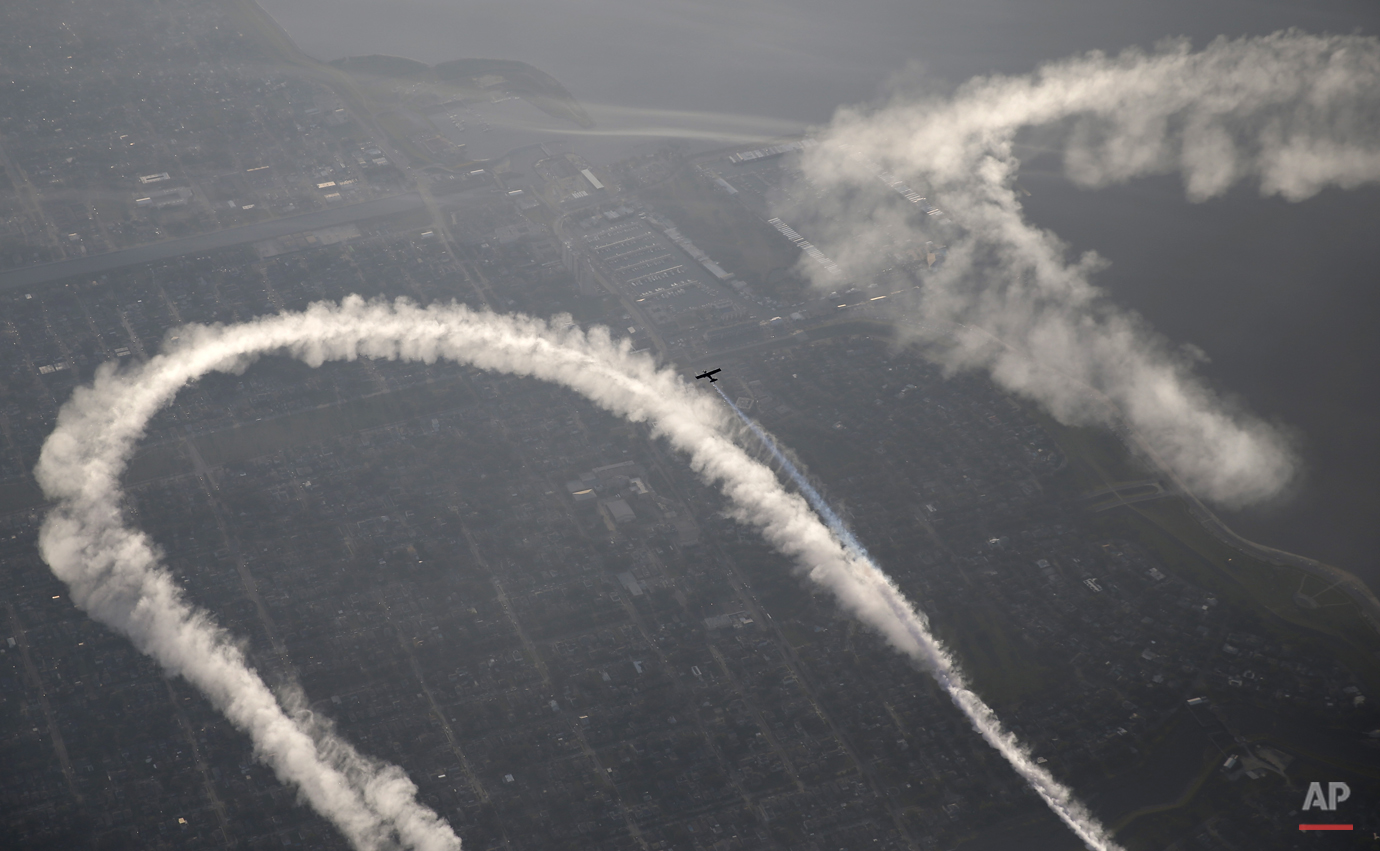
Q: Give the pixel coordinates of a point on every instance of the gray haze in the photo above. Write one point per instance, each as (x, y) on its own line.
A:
(793, 59)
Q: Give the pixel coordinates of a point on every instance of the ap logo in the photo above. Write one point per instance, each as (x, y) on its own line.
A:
(1336, 793)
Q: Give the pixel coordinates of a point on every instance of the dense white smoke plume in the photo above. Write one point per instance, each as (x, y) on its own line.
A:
(1293, 112)
(114, 573)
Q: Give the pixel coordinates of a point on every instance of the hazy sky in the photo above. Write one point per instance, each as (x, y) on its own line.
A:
(794, 59)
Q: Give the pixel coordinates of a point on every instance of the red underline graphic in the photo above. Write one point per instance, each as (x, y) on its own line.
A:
(1324, 827)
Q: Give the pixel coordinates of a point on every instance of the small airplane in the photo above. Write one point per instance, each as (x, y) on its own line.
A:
(710, 375)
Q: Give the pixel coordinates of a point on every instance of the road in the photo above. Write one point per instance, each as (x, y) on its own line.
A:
(632, 307)
(50, 721)
(97, 264)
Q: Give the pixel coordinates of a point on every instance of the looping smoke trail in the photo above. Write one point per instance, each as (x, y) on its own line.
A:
(1294, 113)
(114, 572)
(937, 660)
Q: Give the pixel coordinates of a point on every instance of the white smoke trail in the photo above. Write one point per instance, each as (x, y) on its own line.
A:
(1294, 112)
(812, 494)
(937, 660)
(114, 572)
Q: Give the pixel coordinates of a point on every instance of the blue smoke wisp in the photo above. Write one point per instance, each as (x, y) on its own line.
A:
(812, 496)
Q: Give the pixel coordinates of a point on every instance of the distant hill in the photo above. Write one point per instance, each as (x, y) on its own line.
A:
(538, 87)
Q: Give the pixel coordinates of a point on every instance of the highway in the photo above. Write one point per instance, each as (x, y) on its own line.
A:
(96, 264)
